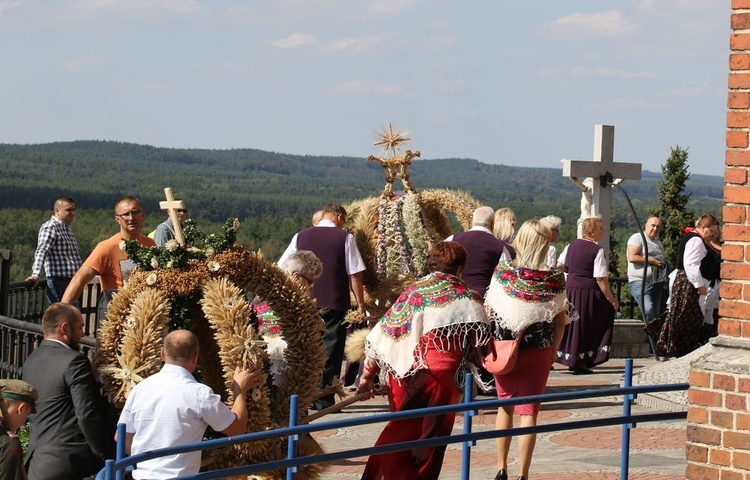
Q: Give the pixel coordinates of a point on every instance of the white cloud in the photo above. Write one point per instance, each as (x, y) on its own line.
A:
(360, 44)
(294, 40)
(8, 5)
(365, 86)
(390, 7)
(85, 63)
(696, 91)
(588, 72)
(443, 41)
(177, 6)
(633, 103)
(580, 72)
(610, 23)
(451, 86)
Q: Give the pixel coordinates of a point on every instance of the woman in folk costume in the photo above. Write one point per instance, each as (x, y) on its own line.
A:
(586, 343)
(304, 267)
(418, 345)
(693, 293)
(526, 298)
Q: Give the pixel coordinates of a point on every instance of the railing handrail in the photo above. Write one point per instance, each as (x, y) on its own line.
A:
(430, 411)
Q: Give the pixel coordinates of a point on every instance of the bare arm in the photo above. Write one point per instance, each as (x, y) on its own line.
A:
(77, 284)
(128, 442)
(634, 256)
(603, 283)
(244, 380)
(358, 288)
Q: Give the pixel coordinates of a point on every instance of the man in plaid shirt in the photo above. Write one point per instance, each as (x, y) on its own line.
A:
(57, 250)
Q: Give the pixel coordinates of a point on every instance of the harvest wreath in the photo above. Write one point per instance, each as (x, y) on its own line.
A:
(204, 288)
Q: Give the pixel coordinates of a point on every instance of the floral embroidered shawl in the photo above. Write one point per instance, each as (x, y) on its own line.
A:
(438, 310)
(520, 297)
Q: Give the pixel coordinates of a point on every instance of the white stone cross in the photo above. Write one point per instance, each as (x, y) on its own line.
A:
(171, 205)
(604, 171)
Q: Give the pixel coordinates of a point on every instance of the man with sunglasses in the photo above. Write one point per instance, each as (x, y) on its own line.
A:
(165, 230)
(108, 260)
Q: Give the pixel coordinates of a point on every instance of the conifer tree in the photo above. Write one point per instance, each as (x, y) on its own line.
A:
(673, 201)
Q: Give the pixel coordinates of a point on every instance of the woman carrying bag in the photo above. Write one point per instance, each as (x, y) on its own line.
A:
(527, 299)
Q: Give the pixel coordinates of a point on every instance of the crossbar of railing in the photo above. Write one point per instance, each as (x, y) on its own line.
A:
(379, 418)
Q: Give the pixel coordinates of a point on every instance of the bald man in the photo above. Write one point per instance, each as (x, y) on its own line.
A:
(171, 408)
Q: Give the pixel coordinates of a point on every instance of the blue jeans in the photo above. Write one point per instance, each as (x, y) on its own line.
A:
(55, 288)
(651, 304)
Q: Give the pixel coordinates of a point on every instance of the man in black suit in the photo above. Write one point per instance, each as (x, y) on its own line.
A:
(71, 434)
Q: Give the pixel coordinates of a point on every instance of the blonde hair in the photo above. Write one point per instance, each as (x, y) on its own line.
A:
(587, 226)
(505, 221)
(531, 244)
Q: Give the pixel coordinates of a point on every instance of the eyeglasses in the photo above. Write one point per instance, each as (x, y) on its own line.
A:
(181, 210)
(132, 213)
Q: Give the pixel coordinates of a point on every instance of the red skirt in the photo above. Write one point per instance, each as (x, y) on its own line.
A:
(528, 377)
(431, 387)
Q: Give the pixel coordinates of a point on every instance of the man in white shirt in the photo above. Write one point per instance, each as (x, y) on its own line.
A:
(171, 408)
(342, 272)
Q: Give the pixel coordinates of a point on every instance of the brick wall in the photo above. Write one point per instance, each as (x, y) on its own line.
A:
(718, 429)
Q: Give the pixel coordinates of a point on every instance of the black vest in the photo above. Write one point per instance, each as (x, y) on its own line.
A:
(331, 290)
(483, 253)
(711, 263)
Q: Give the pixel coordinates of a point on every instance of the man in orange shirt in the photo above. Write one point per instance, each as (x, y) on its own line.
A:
(108, 260)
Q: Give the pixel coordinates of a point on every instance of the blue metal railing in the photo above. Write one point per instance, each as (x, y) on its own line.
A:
(467, 439)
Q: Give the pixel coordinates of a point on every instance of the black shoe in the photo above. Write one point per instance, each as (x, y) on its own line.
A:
(501, 475)
(521, 477)
(582, 371)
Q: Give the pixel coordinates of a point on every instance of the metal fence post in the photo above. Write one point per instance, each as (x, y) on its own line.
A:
(627, 401)
(466, 449)
(292, 442)
(4, 281)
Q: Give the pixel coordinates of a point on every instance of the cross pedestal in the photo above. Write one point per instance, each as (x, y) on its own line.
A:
(603, 170)
(170, 206)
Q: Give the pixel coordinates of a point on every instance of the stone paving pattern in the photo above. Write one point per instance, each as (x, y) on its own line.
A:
(657, 449)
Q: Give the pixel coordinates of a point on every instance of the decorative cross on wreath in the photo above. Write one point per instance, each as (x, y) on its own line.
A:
(171, 206)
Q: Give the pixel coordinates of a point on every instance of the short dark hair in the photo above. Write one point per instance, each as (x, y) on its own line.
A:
(64, 199)
(126, 198)
(180, 345)
(57, 314)
(446, 257)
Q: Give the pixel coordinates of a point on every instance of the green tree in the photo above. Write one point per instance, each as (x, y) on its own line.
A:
(673, 201)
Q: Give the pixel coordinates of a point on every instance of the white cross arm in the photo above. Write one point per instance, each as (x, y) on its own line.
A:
(585, 169)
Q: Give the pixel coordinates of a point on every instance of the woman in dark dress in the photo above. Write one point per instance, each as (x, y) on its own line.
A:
(693, 294)
(586, 343)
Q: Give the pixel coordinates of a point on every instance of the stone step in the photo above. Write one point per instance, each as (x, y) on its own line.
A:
(629, 340)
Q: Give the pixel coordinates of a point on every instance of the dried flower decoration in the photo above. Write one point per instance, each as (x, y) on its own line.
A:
(122, 245)
(151, 279)
(236, 224)
(172, 245)
(214, 266)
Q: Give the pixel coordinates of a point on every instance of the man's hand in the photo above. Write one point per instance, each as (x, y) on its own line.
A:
(34, 280)
(245, 379)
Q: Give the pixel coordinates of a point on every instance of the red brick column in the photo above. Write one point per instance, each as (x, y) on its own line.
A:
(718, 430)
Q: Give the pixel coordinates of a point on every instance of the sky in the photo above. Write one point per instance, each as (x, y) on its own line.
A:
(504, 82)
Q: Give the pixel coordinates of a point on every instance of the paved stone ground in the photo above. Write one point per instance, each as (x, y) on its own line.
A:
(657, 449)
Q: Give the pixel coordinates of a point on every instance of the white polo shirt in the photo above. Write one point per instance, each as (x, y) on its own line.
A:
(167, 409)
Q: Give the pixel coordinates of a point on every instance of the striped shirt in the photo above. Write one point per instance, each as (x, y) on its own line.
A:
(56, 250)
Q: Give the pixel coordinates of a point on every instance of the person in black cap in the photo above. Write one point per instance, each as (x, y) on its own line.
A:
(18, 401)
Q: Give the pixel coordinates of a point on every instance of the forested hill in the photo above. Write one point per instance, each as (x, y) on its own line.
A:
(248, 183)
